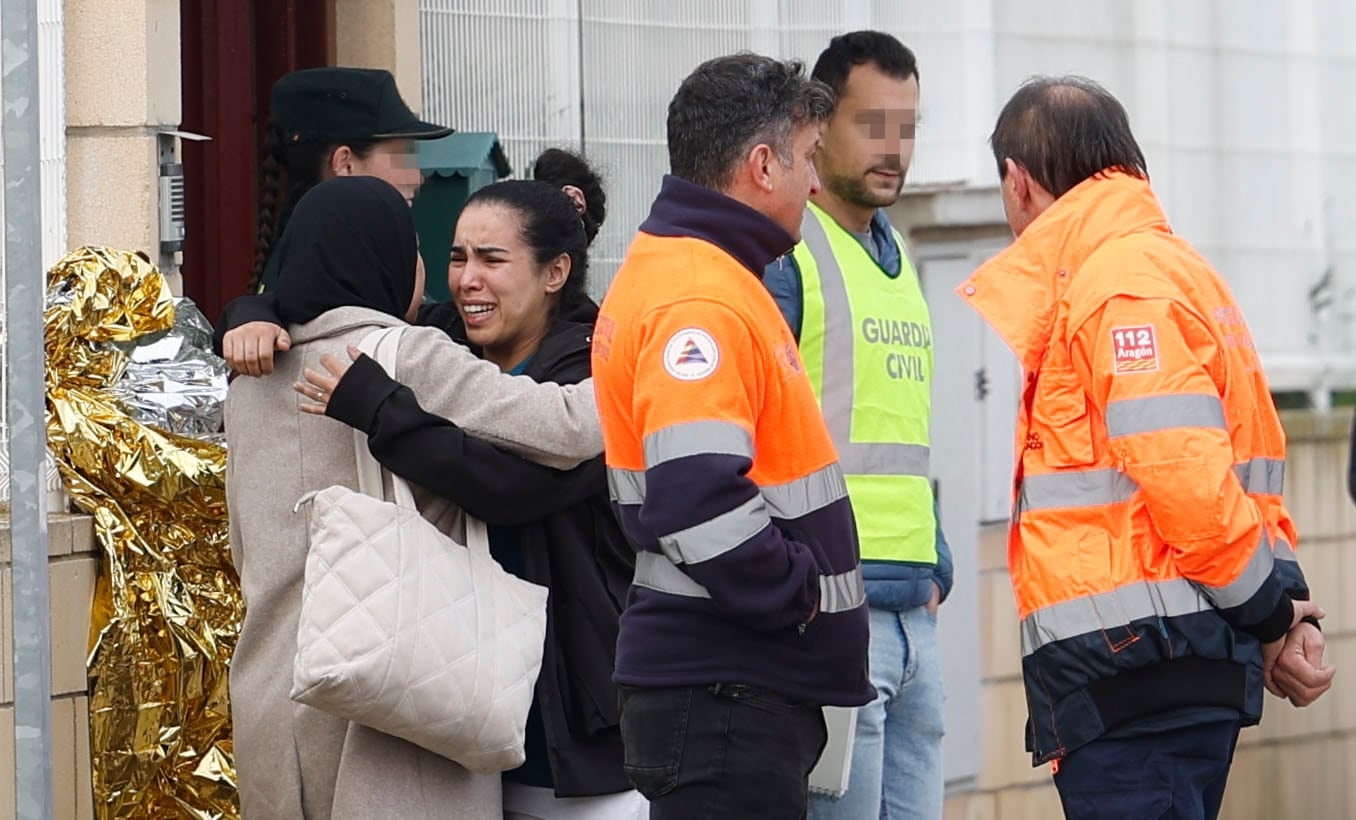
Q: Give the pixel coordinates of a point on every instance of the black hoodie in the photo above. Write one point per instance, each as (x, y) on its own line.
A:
(571, 541)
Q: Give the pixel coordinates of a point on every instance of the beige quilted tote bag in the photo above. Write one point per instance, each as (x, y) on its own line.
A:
(407, 631)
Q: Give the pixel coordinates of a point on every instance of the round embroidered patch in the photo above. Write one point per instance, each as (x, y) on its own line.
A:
(691, 354)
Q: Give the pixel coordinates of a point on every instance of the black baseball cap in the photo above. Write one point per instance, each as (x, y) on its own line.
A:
(335, 104)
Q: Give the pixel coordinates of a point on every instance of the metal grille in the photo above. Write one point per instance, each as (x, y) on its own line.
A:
(1261, 195)
(599, 74)
(625, 109)
(509, 66)
(596, 74)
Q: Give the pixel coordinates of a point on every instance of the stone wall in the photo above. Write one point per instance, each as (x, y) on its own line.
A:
(1298, 763)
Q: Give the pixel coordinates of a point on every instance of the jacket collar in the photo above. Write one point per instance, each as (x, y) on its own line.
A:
(890, 253)
(1019, 290)
(340, 321)
(686, 209)
(564, 342)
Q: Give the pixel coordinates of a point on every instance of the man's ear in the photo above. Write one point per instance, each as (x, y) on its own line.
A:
(1017, 177)
(758, 164)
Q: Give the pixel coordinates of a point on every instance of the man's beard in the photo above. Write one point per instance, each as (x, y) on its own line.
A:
(855, 190)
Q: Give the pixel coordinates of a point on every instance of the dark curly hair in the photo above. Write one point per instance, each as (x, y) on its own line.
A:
(560, 168)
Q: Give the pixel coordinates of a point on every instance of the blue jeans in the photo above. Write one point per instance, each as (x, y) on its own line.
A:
(897, 756)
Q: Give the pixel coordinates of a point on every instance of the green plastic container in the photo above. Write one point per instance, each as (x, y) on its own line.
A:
(454, 167)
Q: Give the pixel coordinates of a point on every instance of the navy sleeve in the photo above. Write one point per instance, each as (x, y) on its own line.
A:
(710, 517)
(945, 565)
(782, 280)
(257, 307)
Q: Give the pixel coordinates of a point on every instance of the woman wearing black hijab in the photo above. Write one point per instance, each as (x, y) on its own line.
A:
(350, 254)
(352, 245)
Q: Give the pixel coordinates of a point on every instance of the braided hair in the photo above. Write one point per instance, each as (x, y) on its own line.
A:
(286, 173)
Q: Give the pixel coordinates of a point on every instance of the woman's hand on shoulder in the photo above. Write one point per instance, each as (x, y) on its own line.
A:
(248, 349)
(318, 387)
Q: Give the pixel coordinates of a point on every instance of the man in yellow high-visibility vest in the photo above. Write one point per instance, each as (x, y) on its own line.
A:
(855, 305)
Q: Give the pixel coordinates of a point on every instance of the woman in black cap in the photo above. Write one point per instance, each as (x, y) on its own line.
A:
(326, 123)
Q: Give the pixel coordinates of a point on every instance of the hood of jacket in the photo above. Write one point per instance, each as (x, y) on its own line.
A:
(1019, 290)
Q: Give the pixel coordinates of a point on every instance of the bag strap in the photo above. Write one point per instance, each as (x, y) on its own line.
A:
(383, 346)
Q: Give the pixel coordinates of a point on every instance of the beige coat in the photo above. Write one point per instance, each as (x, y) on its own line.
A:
(295, 762)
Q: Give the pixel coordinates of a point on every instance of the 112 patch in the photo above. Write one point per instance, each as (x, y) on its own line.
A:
(1134, 349)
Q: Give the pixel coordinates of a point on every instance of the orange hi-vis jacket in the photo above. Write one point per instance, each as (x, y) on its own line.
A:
(1150, 551)
(721, 469)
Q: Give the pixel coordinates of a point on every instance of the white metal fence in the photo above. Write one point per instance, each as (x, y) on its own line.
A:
(1239, 105)
(598, 74)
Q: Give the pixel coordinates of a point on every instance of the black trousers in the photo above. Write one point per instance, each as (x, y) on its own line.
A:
(721, 752)
(1172, 775)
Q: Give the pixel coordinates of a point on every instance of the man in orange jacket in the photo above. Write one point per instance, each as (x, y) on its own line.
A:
(1151, 553)
(748, 610)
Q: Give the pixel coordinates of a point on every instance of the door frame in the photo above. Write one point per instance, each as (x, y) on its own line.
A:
(232, 51)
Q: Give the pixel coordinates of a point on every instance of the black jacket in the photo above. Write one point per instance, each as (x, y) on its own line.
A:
(572, 544)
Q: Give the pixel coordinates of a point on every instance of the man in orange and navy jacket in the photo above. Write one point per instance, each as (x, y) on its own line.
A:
(748, 609)
(1151, 552)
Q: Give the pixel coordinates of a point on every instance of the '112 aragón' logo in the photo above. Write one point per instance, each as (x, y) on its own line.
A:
(1135, 349)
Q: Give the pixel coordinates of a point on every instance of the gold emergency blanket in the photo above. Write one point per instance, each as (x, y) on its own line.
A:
(167, 607)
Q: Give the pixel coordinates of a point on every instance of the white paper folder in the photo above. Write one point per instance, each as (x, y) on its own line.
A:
(831, 775)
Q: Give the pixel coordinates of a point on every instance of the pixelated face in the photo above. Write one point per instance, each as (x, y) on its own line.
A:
(394, 161)
(868, 144)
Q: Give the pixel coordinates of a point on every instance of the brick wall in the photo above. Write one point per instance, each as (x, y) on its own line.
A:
(1298, 763)
(73, 566)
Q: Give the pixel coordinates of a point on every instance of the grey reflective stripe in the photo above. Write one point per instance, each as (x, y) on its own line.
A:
(1091, 488)
(805, 495)
(1109, 610)
(1150, 414)
(1283, 551)
(1240, 590)
(695, 438)
(1262, 476)
(837, 390)
(1084, 488)
(842, 592)
(654, 571)
(837, 593)
(626, 486)
(790, 500)
(880, 459)
(713, 538)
